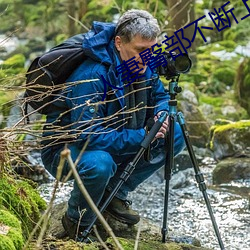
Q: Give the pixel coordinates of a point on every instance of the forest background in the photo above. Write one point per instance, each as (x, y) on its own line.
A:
(220, 65)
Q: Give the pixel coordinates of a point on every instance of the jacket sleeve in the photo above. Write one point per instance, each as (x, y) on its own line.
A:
(88, 118)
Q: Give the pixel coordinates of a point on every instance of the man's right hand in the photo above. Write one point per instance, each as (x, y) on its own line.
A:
(164, 128)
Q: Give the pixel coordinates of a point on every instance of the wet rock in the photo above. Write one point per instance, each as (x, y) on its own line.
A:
(231, 169)
(181, 179)
(150, 234)
(231, 139)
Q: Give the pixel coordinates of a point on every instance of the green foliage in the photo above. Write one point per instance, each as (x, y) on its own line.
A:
(13, 66)
(60, 38)
(221, 101)
(214, 101)
(224, 75)
(16, 61)
(213, 73)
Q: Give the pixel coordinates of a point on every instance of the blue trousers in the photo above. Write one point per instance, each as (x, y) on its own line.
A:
(100, 170)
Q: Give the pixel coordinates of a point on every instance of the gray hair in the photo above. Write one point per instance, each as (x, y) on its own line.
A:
(137, 22)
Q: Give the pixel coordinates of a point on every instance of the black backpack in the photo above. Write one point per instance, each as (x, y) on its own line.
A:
(47, 74)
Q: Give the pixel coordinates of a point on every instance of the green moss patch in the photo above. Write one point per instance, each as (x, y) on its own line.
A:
(10, 231)
(128, 244)
(22, 200)
(230, 138)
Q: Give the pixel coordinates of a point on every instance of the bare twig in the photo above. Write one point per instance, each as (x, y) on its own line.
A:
(137, 236)
(66, 154)
(99, 238)
(77, 21)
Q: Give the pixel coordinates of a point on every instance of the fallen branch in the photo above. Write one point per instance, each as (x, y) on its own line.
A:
(66, 154)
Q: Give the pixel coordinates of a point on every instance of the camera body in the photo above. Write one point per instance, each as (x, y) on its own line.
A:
(176, 65)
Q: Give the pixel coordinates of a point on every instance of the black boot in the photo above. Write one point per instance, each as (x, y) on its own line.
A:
(121, 211)
(74, 230)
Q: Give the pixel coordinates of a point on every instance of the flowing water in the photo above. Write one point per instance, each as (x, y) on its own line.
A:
(187, 212)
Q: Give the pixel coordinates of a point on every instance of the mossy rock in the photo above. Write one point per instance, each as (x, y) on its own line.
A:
(232, 139)
(231, 169)
(10, 231)
(150, 235)
(128, 244)
(22, 200)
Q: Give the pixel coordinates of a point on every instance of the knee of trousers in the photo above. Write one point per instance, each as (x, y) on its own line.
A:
(179, 142)
(97, 165)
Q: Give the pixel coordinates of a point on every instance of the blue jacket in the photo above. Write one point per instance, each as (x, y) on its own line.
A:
(102, 123)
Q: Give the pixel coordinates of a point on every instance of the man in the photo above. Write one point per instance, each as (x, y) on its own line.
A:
(111, 130)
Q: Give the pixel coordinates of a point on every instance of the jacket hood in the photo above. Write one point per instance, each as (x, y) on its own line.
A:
(98, 42)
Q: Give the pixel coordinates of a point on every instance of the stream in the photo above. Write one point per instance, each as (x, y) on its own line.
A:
(187, 212)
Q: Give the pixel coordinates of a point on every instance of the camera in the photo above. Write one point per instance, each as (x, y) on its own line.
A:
(176, 65)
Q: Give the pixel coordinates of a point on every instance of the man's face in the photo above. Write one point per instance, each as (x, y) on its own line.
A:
(133, 48)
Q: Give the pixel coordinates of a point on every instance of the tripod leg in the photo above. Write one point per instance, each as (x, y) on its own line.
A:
(168, 173)
(129, 168)
(199, 176)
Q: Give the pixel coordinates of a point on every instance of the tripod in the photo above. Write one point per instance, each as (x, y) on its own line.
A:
(169, 163)
(173, 90)
(129, 169)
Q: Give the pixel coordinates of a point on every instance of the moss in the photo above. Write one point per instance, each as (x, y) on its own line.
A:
(9, 219)
(128, 244)
(22, 200)
(214, 101)
(6, 243)
(16, 237)
(13, 239)
(236, 125)
(221, 132)
(219, 102)
(12, 67)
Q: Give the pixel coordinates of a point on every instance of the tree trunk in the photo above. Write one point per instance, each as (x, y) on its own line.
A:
(83, 7)
(72, 13)
(182, 13)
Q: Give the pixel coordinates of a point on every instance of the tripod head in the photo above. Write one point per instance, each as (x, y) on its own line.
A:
(174, 89)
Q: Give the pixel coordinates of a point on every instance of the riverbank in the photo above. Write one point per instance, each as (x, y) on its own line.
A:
(188, 216)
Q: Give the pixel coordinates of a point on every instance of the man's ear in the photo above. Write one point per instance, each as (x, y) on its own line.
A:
(118, 43)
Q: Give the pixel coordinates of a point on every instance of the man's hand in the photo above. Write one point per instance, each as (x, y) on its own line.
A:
(164, 128)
